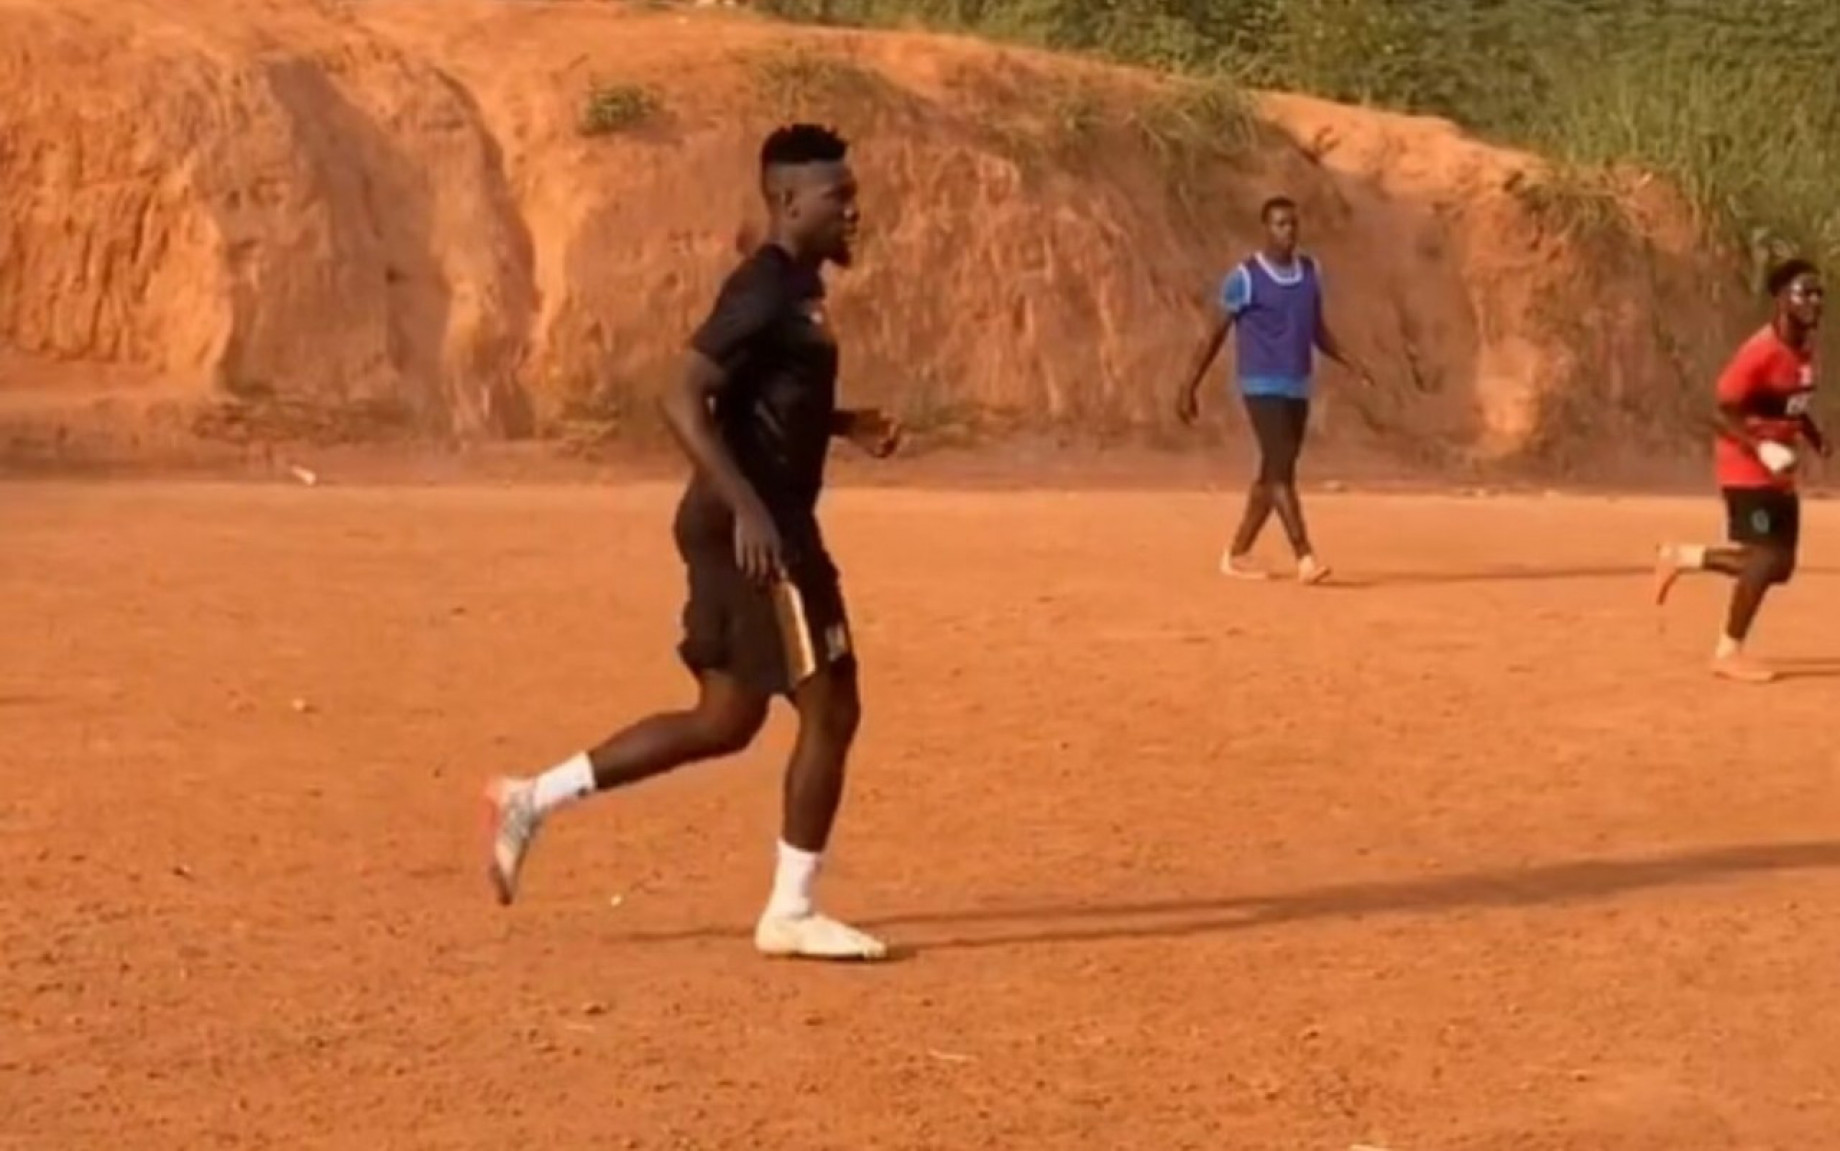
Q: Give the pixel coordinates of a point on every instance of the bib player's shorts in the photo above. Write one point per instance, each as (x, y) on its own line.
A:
(1278, 424)
(769, 639)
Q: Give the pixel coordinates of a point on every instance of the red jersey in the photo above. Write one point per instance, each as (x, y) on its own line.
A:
(1771, 384)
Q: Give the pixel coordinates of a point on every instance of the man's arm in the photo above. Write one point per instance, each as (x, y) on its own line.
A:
(1332, 347)
(686, 411)
(1728, 421)
(1234, 295)
(1212, 340)
(871, 429)
(748, 306)
(1812, 432)
(1743, 377)
(1736, 383)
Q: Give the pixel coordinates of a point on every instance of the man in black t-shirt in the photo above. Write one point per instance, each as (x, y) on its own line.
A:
(765, 615)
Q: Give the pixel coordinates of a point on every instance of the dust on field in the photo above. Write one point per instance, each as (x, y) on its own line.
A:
(1466, 853)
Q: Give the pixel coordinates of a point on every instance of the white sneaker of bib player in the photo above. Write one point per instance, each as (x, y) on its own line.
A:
(813, 936)
(511, 827)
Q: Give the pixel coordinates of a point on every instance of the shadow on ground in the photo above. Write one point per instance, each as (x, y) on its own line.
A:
(1358, 579)
(1535, 886)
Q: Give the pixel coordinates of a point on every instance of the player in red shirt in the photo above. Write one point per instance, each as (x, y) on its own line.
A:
(1765, 396)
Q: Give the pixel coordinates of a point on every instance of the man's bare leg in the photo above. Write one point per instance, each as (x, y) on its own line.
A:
(1753, 569)
(725, 719)
(1237, 560)
(830, 709)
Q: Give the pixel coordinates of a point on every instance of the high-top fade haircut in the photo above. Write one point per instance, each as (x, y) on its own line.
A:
(794, 144)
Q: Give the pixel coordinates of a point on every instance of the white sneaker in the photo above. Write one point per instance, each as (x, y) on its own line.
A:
(814, 936)
(511, 825)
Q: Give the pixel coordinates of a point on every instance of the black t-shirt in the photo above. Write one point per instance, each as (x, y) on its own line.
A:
(768, 331)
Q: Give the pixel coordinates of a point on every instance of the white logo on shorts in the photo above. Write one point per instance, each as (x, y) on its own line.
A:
(836, 642)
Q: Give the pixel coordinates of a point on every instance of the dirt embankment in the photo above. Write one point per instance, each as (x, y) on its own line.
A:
(259, 219)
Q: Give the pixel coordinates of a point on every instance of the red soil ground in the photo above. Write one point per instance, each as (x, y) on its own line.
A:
(1468, 853)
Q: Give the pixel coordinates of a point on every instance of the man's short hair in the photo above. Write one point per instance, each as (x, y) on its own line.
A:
(1786, 273)
(1274, 205)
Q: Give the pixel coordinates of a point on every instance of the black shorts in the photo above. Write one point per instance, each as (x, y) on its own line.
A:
(769, 639)
(1766, 517)
(1279, 424)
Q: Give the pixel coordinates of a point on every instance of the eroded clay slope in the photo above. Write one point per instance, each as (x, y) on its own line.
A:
(338, 217)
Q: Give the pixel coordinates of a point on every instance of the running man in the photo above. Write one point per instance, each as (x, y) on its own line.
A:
(765, 615)
(1764, 400)
(1275, 297)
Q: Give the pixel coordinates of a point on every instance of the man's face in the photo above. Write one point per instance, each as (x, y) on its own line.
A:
(1803, 298)
(1281, 229)
(821, 212)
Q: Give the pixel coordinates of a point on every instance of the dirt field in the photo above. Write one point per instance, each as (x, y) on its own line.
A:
(1468, 853)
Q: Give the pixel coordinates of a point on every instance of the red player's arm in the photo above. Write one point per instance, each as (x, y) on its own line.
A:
(1741, 377)
(1812, 432)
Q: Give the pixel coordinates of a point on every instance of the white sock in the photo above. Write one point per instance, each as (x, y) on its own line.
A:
(1691, 556)
(568, 781)
(1727, 647)
(793, 881)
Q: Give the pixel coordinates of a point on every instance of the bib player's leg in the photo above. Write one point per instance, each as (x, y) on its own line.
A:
(1266, 421)
(1237, 561)
(1281, 479)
